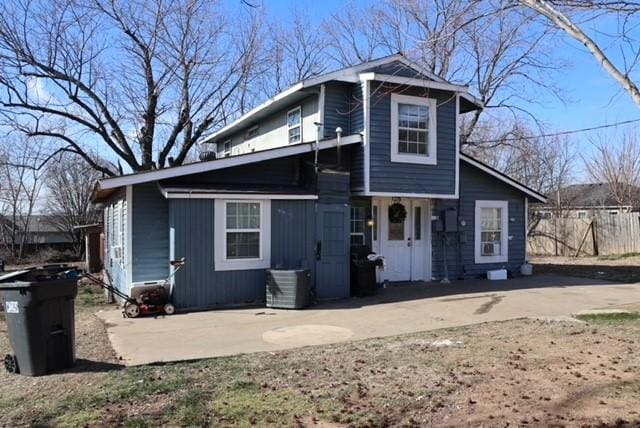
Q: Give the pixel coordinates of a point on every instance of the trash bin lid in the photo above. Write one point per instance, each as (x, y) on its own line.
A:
(12, 277)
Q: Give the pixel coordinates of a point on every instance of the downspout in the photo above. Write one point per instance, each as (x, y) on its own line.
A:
(338, 139)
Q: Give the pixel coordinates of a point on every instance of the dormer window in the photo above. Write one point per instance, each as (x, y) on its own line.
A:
(413, 129)
(294, 125)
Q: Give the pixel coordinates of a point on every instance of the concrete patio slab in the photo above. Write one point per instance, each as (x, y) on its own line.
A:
(395, 310)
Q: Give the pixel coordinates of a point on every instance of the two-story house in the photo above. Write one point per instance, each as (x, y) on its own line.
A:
(369, 154)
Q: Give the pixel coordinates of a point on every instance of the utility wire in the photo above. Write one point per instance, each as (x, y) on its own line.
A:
(555, 134)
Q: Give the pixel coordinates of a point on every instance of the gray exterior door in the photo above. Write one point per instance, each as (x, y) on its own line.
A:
(332, 251)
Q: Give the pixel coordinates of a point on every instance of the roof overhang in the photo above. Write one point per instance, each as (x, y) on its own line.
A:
(532, 194)
(108, 186)
(470, 102)
(352, 74)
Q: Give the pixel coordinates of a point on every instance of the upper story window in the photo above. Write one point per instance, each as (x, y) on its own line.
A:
(413, 129)
(294, 125)
(226, 149)
(491, 232)
(252, 132)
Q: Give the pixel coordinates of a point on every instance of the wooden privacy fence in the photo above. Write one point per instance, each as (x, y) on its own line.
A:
(602, 234)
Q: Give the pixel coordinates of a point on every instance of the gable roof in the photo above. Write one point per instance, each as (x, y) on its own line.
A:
(107, 186)
(393, 68)
(536, 196)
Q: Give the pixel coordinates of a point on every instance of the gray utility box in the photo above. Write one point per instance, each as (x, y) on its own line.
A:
(39, 310)
(288, 289)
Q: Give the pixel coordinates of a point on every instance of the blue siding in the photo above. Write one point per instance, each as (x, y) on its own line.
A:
(477, 185)
(198, 285)
(357, 152)
(336, 108)
(150, 233)
(387, 176)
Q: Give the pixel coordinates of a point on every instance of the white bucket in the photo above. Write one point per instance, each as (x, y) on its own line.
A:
(526, 269)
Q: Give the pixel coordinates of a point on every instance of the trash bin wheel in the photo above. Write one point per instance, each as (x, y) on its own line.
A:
(131, 310)
(169, 309)
(11, 364)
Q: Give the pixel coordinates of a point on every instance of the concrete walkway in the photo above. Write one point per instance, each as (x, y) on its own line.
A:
(395, 310)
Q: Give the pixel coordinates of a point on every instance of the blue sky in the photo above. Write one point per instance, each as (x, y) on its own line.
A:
(591, 97)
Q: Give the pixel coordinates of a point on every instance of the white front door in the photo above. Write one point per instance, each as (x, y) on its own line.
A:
(405, 243)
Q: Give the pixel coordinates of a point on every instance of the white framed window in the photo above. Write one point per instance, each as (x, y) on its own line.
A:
(492, 232)
(581, 214)
(226, 148)
(251, 132)
(294, 125)
(358, 222)
(242, 234)
(413, 129)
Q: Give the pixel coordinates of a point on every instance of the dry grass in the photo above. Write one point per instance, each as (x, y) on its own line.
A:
(622, 268)
(519, 373)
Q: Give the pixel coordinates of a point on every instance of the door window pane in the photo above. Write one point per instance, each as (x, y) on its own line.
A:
(357, 225)
(396, 231)
(375, 222)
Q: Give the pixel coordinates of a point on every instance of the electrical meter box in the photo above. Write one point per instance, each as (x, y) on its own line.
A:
(450, 218)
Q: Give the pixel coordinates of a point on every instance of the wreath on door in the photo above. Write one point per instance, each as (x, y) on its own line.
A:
(397, 213)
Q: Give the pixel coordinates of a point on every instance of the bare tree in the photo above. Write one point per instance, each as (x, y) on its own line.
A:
(296, 52)
(20, 186)
(618, 166)
(144, 78)
(544, 164)
(496, 49)
(627, 44)
(70, 183)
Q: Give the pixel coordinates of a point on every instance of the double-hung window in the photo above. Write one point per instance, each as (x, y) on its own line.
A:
(358, 222)
(491, 232)
(413, 129)
(294, 125)
(242, 234)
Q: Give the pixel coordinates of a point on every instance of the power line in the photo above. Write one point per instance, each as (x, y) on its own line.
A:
(556, 134)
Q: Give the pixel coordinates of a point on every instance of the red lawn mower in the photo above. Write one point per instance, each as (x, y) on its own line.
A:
(146, 299)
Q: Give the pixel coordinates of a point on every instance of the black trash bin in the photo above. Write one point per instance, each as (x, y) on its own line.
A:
(39, 311)
(363, 272)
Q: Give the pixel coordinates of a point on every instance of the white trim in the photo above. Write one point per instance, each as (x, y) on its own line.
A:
(299, 125)
(457, 137)
(504, 232)
(349, 74)
(412, 81)
(321, 102)
(168, 194)
(221, 263)
(197, 167)
(406, 195)
(432, 146)
(473, 100)
(252, 128)
(129, 235)
(247, 116)
(226, 153)
(366, 100)
(511, 182)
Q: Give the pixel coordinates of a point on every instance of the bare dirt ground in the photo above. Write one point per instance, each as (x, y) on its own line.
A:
(522, 373)
(623, 268)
